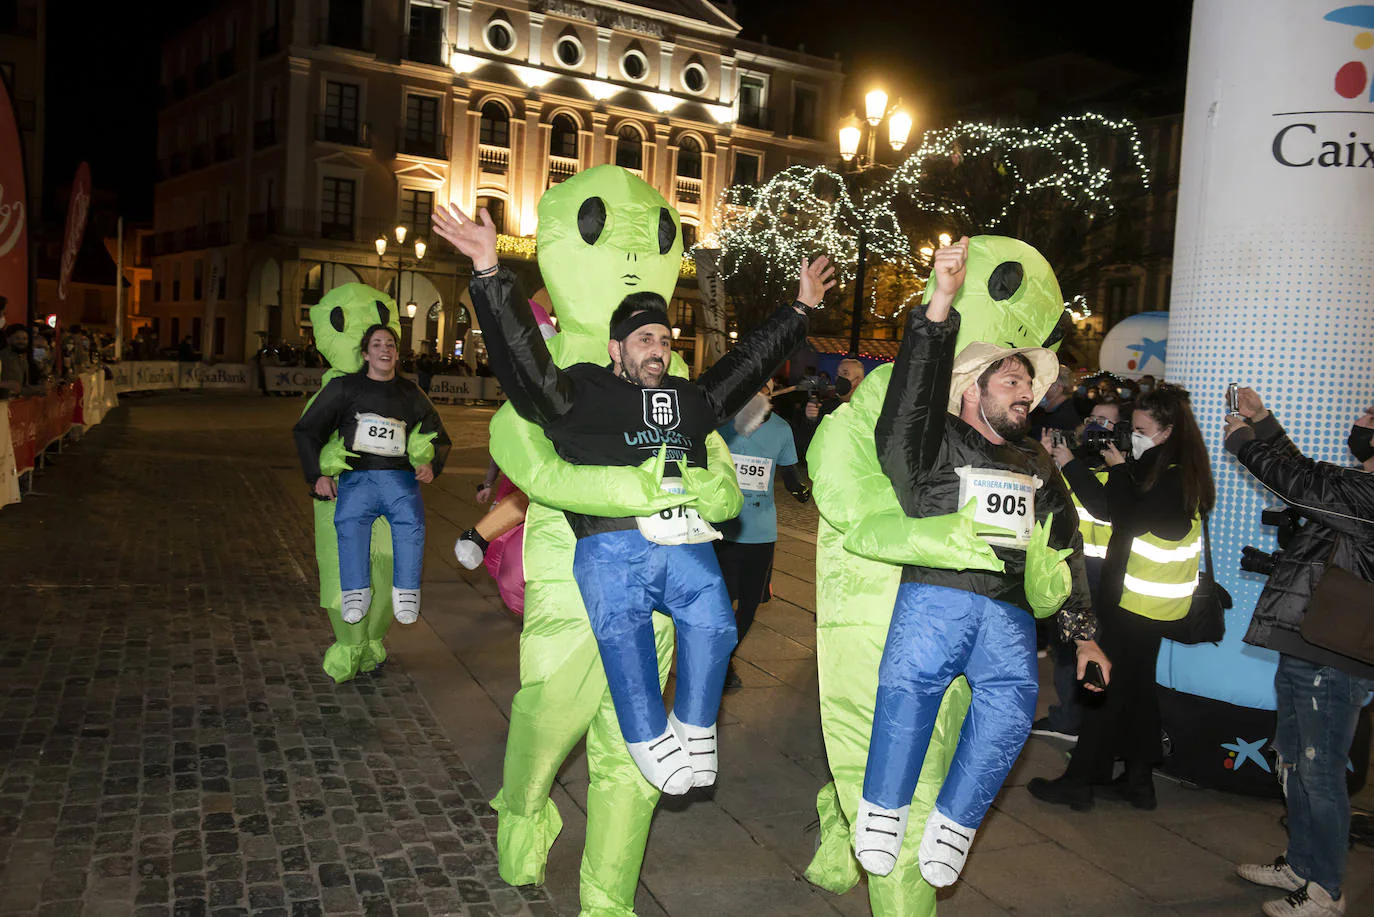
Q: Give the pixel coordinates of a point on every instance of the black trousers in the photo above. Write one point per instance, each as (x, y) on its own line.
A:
(1125, 721)
(746, 569)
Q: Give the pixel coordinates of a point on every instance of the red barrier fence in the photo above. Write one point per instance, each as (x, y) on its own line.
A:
(40, 421)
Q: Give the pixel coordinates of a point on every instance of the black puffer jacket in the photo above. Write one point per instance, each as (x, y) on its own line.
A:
(1337, 506)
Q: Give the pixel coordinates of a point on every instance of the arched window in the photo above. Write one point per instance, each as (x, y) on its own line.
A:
(689, 157)
(496, 209)
(629, 148)
(495, 126)
(689, 235)
(563, 137)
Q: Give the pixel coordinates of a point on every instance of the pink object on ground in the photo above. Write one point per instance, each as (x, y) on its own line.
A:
(505, 558)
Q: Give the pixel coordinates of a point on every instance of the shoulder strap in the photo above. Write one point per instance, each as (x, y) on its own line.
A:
(1207, 544)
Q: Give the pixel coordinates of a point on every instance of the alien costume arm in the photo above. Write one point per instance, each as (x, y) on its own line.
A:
(536, 387)
(737, 376)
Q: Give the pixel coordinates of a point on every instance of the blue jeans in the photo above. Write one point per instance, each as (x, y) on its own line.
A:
(365, 495)
(623, 577)
(1317, 710)
(936, 635)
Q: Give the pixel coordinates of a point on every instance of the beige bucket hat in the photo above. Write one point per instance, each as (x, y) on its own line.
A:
(974, 360)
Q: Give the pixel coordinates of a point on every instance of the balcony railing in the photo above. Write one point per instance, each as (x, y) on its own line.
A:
(200, 155)
(269, 40)
(422, 143)
(226, 63)
(224, 147)
(751, 116)
(423, 47)
(494, 160)
(342, 32)
(264, 133)
(330, 129)
(312, 224)
(203, 75)
(688, 190)
(561, 168)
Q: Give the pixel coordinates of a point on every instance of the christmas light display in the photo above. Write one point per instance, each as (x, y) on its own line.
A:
(804, 211)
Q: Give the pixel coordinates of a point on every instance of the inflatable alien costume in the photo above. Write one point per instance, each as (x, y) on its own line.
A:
(1010, 298)
(339, 320)
(603, 234)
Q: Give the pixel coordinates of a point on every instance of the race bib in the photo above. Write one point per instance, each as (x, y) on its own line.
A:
(677, 524)
(378, 435)
(754, 473)
(1005, 499)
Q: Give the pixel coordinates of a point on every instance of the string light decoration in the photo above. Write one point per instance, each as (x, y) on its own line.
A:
(804, 211)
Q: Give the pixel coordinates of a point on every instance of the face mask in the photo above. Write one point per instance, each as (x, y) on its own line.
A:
(842, 386)
(1146, 388)
(40, 354)
(1140, 444)
(1359, 442)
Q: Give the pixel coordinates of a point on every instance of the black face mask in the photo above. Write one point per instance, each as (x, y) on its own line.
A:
(1359, 443)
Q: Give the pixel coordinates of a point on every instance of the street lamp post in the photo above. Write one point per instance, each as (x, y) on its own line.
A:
(380, 244)
(876, 110)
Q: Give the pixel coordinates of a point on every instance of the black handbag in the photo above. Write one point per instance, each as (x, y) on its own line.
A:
(1205, 621)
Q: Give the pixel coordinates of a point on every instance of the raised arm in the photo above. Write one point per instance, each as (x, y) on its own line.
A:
(738, 375)
(911, 427)
(536, 387)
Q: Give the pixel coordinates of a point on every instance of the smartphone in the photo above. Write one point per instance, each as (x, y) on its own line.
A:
(1233, 398)
(1093, 677)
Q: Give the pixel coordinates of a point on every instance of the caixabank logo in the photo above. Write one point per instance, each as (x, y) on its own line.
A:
(1310, 139)
(1353, 77)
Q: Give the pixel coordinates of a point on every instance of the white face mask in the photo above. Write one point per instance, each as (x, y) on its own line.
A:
(1140, 444)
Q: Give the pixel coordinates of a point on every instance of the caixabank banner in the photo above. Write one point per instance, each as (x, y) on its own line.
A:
(1273, 288)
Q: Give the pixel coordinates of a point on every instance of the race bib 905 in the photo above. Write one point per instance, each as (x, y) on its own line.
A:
(378, 435)
(754, 473)
(1005, 499)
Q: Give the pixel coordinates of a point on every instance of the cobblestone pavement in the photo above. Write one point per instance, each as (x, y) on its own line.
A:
(168, 742)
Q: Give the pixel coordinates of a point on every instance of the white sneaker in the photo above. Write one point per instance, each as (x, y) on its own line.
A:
(1309, 901)
(878, 834)
(468, 552)
(1274, 875)
(405, 605)
(944, 849)
(354, 605)
(701, 745)
(663, 762)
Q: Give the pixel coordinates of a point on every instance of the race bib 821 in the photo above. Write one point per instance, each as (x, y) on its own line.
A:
(1005, 499)
(378, 435)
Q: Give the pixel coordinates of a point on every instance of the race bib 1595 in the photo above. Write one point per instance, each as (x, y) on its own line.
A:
(754, 473)
(1005, 499)
(378, 435)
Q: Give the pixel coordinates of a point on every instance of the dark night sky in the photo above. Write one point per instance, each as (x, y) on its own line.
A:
(103, 77)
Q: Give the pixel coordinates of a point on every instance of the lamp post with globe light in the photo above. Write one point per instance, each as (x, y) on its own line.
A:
(851, 136)
(420, 247)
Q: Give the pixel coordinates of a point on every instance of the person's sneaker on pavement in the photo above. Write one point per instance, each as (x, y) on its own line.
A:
(470, 548)
(1277, 874)
(1309, 901)
(1043, 727)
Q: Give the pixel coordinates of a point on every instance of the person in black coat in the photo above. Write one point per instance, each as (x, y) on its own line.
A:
(1319, 690)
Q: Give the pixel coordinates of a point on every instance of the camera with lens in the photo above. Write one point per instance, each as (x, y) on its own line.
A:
(1287, 522)
(1095, 439)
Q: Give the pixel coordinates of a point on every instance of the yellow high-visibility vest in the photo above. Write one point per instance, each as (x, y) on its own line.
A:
(1161, 575)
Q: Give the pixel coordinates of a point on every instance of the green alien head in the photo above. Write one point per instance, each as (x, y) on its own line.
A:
(1010, 296)
(603, 234)
(341, 317)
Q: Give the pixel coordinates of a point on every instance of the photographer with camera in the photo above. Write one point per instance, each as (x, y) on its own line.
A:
(1107, 424)
(1320, 689)
(1151, 509)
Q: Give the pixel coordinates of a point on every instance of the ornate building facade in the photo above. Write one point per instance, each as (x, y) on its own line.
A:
(295, 135)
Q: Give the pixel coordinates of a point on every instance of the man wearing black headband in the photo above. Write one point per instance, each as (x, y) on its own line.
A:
(624, 414)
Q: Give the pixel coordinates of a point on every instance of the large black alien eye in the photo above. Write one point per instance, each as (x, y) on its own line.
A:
(1006, 280)
(336, 319)
(667, 230)
(383, 313)
(591, 219)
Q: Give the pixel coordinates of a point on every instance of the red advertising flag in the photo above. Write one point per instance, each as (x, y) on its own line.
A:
(77, 209)
(14, 216)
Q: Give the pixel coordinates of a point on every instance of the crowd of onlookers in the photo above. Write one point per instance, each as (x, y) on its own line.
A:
(34, 357)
